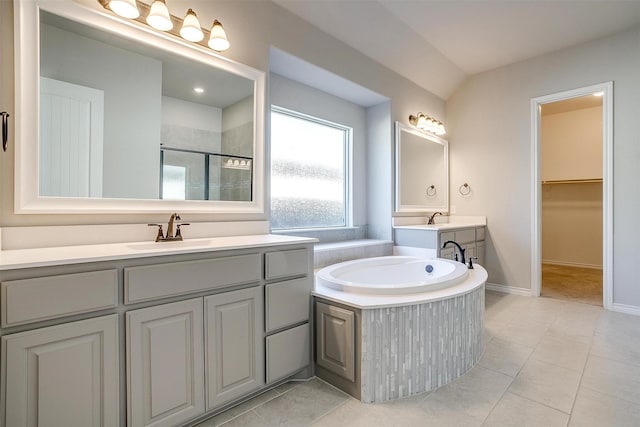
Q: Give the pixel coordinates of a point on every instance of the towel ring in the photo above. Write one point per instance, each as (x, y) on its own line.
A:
(5, 129)
(431, 190)
(465, 189)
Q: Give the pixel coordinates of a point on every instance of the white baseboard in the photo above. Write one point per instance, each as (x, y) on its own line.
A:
(624, 308)
(572, 264)
(508, 289)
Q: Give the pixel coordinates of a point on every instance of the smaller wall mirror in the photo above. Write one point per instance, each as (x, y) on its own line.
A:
(422, 171)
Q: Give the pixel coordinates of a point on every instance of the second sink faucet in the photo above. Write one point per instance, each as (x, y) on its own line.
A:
(432, 218)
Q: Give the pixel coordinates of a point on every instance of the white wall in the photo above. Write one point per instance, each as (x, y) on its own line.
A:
(131, 123)
(572, 224)
(304, 99)
(571, 149)
(488, 120)
(571, 145)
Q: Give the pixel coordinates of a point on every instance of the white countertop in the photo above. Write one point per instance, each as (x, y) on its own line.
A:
(448, 222)
(477, 277)
(43, 257)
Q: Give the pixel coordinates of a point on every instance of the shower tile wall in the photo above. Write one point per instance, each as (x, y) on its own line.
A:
(236, 182)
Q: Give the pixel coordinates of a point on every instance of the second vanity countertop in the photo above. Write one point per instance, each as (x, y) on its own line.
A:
(44, 257)
(452, 222)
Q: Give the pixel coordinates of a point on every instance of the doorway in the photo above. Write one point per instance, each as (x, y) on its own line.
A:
(572, 182)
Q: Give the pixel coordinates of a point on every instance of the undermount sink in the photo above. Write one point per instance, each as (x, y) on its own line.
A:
(191, 243)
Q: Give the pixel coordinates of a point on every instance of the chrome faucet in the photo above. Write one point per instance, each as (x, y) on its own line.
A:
(432, 218)
(161, 237)
(444, 245)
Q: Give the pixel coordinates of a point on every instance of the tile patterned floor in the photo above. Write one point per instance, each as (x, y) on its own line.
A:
(547, 363)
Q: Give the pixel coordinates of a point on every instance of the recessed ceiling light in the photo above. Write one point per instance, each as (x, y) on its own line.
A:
(598, 94)
(198, 90)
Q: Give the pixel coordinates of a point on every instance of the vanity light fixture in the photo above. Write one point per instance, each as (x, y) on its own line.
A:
(158, 17)
(125, 8)
(427, 123)
(218, 40)
(191, 27)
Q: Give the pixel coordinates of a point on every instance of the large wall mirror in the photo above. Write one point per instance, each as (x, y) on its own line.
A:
(129, 119)
(422, 171)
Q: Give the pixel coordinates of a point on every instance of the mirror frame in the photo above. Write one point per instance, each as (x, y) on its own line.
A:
(401, 209)
(27, 88)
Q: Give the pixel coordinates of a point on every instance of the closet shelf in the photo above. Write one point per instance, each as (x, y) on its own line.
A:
(573, 181)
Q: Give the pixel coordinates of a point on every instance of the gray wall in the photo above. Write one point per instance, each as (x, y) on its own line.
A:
(488, 119)
(131, 123)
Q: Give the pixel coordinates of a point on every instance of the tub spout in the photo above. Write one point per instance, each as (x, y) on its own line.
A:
(462, 260)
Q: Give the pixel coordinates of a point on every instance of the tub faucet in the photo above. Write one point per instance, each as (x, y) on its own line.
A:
(459, 249)
(432, 218)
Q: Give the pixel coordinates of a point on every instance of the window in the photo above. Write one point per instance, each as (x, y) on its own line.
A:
(309, 171)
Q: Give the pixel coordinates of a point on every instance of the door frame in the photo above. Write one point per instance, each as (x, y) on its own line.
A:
(607, 186)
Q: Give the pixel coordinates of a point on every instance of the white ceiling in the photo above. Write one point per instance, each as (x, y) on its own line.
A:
(438, 43)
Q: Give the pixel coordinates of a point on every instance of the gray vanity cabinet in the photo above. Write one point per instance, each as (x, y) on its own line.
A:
(168, 339)
(234, 345)
(470, 238)
(287, 309)
(165, 367)
(65, 375)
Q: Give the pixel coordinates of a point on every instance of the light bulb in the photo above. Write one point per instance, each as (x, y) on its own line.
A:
(125, 8)
(422, 121)
(159, 16)
(218, 40)
(191, 27)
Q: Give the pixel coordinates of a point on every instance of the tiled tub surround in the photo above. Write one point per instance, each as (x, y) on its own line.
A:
(409, 344)
(412, 349)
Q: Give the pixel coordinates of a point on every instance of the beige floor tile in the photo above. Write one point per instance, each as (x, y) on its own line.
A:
(621, 344)
(594, 409)
(303, 405)
(505, 357)
(527, 333)
(518, 411)
(567, 353)
(550, 385)
(474, 394)
(357, 414)
(240, 409)
(612, 378)
(248, 419)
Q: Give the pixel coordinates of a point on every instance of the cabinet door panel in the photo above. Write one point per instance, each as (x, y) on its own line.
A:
(235, 353)
(63, 375)
(335, 340)
(165, 363)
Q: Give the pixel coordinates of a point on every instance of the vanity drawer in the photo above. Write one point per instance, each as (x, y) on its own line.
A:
(42, 298)
(288, 352)
(286, 263)
(177, 278)
(460, 236)
(287, 303)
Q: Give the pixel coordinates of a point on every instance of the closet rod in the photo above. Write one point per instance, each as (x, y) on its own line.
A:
(573, 181)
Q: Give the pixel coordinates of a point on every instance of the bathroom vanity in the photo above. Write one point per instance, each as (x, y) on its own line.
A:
(151, 333)
(468, 232)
